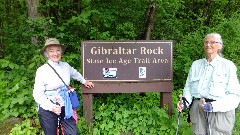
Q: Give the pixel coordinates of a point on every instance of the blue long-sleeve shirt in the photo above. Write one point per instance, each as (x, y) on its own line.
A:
(216, 80)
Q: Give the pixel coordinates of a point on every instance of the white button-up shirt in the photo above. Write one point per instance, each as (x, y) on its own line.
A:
(47, 80)
(216, 80)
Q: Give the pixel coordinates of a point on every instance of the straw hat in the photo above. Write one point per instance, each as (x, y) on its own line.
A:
(49, 42)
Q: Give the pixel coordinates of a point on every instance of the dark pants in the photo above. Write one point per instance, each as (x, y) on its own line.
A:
(49, 122)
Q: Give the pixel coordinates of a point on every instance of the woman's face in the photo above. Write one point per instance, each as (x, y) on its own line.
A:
(212, 45)
(54, 53)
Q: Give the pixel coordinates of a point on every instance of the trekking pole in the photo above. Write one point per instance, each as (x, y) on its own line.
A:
(207, 115)
(180, 103)
(59, 129)
(58, 126)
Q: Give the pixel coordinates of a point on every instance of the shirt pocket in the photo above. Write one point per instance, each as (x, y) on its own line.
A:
(194, 82)
(218, 85)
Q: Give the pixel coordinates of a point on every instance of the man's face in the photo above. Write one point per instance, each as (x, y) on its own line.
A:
(212, 45)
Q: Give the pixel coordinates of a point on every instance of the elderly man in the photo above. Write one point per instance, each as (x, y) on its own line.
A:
(212, 90)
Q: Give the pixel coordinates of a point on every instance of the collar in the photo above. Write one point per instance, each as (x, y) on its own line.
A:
(213, 62)
(54, 63)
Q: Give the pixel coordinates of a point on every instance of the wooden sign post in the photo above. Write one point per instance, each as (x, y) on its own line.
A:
(127, 67)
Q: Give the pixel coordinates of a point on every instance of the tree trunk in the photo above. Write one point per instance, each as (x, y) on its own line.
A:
(149, 21)
(207, 13)
(32, 13)
(1, 40)
(32, 8)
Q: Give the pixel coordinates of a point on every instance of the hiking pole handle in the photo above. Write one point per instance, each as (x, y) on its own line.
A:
(178, 118)
(59, 105)
(180, 98)
(203, 100)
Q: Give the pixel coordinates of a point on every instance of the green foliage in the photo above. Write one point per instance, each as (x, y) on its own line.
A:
(190, 48)
(132, 112)
(185, 52)
(185, 22)
(236, 129)
(32, 127)
(83, 128)
(15, 92)
(73, 59)
(17, 77)
(26, 128)
(126, 31)
(167, 25)
(229, 29)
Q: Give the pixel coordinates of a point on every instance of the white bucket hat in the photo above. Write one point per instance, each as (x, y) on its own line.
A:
(49, 42)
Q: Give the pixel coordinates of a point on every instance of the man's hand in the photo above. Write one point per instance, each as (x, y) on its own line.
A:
(207, 107)
(182, 104)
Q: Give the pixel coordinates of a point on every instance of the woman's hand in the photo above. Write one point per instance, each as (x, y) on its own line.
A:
(88, 84)
(56, 109)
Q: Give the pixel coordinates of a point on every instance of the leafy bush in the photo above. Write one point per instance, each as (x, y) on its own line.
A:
(17, 78)
(26, 128)
(132, 112)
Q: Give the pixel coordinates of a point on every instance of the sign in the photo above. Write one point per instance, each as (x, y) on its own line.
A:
(127, 67)
(129, 61)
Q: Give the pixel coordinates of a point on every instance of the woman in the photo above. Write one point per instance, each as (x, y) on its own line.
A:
(48, 87)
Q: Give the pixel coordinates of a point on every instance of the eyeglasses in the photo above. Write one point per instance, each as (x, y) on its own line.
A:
(211, 42)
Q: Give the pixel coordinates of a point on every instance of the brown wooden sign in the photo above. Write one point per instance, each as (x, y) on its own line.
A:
(127, 67)
(149, 60)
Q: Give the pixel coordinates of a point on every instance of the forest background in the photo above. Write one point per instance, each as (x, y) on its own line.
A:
(25, 24)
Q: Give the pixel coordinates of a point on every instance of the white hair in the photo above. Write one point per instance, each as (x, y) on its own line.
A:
(219, 38)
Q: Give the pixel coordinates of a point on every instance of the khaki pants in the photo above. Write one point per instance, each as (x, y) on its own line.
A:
(221, 123)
